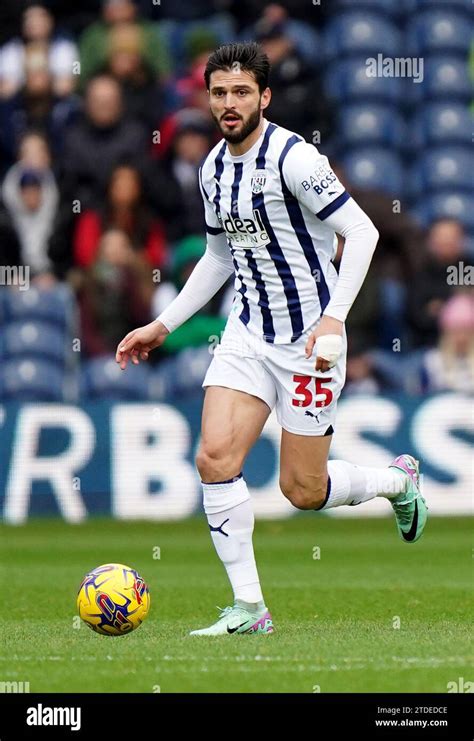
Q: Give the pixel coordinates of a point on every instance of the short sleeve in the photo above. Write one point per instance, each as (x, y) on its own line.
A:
(311, 179)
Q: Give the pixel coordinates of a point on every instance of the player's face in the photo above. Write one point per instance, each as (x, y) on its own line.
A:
(236, 103)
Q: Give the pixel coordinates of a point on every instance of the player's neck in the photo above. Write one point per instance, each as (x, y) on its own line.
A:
(236, 150)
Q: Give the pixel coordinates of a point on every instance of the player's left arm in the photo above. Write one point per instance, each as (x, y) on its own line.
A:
(310, 178)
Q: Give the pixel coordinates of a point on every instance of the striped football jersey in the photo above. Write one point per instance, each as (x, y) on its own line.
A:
(269, 205)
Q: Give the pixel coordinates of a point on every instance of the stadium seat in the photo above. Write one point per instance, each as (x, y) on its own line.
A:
(31, 339)
(439, 32)
(445, 79)
(32, 380)
(449, 204)
(442, 124)
(447, 168)
(358, 33)
(363, 124)
(374, 168)
(180, 375)
(455, 5)
(349, 81)
(55, 305)
(392, 8)
(103, 378)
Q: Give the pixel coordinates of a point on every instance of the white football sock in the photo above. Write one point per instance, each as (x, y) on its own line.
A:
(351, 484)
(231, 520)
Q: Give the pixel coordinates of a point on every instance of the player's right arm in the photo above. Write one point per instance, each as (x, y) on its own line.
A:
(209, 275)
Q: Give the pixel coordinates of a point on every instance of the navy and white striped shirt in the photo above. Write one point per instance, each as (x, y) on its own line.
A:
(269, 207)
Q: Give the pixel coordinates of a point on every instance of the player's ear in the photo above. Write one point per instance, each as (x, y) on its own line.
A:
(265, 98)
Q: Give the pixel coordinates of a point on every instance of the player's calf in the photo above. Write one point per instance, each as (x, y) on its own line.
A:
(309, 494)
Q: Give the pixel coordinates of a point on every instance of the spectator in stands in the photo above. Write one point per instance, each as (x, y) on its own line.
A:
(96, 40)
(249, 11)
(380, 310)
(114, 294)
(189, 90)
(36, 106)
(301, 33)
(126, 61)
(298, 101)
(211, 319)
(96, 144)
(124, 209)
(34, 152)
(450, 365)
(445, 249)
(38, 38)
(188, 137)
(360, 375)
(186, 11)
(31, 199)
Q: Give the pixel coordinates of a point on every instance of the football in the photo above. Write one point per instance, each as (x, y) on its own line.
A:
(113, 599)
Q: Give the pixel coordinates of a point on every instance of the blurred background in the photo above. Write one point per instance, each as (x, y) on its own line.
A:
(104, 121)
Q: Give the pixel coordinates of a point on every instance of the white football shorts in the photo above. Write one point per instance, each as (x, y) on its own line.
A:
(305, 399)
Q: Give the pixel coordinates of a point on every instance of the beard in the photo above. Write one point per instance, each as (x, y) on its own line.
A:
(237, 137)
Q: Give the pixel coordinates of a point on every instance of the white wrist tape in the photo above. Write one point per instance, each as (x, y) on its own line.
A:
(329, 347)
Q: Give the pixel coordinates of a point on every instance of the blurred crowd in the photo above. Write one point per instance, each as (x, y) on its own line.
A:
(104, 122)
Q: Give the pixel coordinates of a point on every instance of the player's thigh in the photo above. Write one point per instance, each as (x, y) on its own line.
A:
(231, 423)
(303, 468)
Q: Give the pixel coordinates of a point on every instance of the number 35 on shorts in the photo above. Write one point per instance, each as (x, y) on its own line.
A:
(312, 391)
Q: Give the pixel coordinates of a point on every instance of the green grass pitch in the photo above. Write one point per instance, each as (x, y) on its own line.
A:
(371, 614)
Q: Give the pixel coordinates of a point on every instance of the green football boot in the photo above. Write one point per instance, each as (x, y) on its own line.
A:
(409, 506)
(239, 619)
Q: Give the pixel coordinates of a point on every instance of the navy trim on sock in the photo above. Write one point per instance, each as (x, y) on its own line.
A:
(229, 481)
(328, 494)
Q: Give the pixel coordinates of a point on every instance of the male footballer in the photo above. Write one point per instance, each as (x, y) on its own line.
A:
(273, 207)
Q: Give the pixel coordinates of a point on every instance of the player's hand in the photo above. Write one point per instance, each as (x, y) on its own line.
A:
(327, 337)
(136, 345)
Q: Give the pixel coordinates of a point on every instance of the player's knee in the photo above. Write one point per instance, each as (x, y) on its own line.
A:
(215, 462)
(305, 495)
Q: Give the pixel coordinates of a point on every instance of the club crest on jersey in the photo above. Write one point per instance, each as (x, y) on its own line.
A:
(257, 183)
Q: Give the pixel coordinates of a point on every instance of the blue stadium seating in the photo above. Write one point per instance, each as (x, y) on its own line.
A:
(442, 123)
(466, 5)
(55, 305)
(374, 168)
(447, 204)
(442, 31)
(32, 380)
(348, 81)
(392, 8)
(364, 124)
(446, 78)
(102, 377)
(358, 33)
(31, 339)
(443, 168)
(180, 374)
